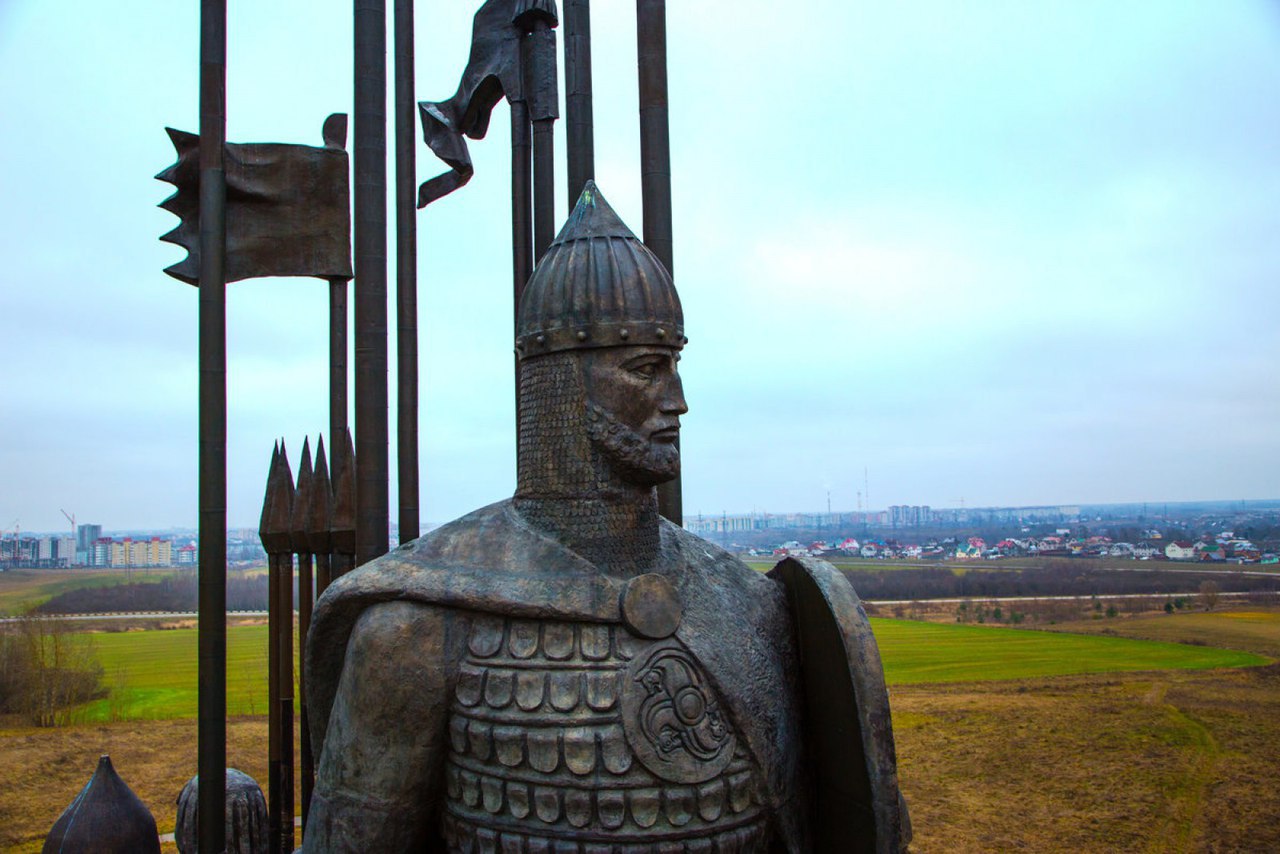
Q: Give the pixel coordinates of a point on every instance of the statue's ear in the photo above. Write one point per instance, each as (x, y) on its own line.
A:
(848, 733)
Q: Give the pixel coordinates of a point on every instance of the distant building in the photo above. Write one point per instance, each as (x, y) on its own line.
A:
(1180, 550)
(86, 536)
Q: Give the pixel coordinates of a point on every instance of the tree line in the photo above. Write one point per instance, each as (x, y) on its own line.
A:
(174, 593)
(1057, 580)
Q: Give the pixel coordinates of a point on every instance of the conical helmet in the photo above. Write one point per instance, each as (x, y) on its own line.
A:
(597, 286)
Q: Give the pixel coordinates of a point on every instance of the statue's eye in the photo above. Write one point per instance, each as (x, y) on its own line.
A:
(645, 370)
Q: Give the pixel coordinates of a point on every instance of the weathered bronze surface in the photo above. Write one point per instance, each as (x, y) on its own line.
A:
(276, 532)
(567, 670)
(246, 829)
(655, 168)
(105, 818)
(342, 521)
(406, 279)
(288, 207)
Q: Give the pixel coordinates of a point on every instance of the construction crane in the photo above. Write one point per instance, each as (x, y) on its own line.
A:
(71, 517)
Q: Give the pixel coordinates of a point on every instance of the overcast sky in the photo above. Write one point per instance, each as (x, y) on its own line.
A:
(1005, 252)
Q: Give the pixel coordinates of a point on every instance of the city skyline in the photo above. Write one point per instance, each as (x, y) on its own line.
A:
(1013, 256)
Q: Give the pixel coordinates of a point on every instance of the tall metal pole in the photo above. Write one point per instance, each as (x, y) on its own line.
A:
(212, 643)
(406, 275)
(540, 58)
(521, 217)
(655, 168)
(579, 120)
(285, 700)
(337, 363)
(370, 154)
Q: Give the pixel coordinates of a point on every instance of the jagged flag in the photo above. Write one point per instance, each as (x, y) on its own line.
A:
(288, 207)
(494, 71)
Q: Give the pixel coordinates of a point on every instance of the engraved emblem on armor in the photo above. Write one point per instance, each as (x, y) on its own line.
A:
(650, 607)
(672, 718)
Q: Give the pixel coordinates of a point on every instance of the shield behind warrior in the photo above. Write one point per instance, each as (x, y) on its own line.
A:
(848, 734)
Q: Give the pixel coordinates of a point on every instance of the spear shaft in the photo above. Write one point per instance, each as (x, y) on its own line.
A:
(273, 707)
(307, 761)
(406, 276)
(579, 120)
(337, 359)
(521, 217)
(285, 683)
(212, 633)
(655, 168)
(370, 161)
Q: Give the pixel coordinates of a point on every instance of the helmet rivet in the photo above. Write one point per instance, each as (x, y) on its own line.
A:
(541, 339)
(661, 333)
(624, 334)
(582, 336)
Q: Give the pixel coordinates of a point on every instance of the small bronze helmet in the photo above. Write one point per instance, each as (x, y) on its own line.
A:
(105, 818)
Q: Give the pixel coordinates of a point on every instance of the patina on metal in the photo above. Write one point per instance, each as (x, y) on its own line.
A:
(406, 279)
(276, 532)
(246, 211)
(370, 160)
(319, 520)
(579, 119)
(288, 207)
(300, 534)
(211, 637)
(246, 830)
(567, 669)
(105, 818)
(513, 55)
(342, 520)
(655, 168)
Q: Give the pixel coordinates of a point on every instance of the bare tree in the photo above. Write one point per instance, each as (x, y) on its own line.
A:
(45, 670)
(1209, 593)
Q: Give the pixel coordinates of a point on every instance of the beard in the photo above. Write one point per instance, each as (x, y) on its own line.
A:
(636, 459)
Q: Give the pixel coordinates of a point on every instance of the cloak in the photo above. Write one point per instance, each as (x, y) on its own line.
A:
(736, 623)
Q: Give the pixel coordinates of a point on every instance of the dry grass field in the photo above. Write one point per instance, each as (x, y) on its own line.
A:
(1171, 760)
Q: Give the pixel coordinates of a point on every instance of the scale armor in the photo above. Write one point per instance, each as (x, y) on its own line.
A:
(543, 749)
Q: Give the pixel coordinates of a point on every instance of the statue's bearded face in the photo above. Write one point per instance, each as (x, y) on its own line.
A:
(634, 404)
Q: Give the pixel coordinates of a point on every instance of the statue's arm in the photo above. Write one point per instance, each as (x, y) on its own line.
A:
(379, 777)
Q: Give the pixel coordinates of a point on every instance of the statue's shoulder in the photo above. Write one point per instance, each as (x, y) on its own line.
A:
(714, 574)
(706, 557)
(489, 560)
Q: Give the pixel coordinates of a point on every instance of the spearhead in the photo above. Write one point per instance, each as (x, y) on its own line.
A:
(343, 527)
(276, 538)
(298, 540)
(320, 507)
(265, 518)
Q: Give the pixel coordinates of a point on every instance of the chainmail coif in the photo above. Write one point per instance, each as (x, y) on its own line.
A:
(566, 488)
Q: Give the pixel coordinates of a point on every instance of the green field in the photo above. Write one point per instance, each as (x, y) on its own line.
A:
(152, 674)
(938, 652)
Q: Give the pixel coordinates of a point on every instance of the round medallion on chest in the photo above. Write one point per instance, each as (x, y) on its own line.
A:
(650, 607)
(672, 717)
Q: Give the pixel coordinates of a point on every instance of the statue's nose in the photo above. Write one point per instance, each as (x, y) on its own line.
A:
(672, 401)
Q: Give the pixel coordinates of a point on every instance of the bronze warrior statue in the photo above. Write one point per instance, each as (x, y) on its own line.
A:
(568, 671)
